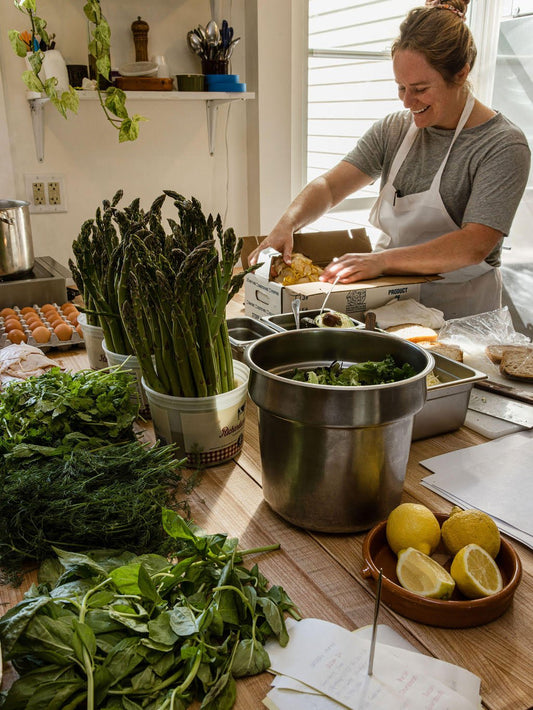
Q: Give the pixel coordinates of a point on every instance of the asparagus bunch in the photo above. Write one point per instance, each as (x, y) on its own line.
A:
(173, 305)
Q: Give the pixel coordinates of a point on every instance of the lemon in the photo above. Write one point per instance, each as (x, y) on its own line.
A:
(412, 525)
(475, 572)
(464, 527)
(422, 575)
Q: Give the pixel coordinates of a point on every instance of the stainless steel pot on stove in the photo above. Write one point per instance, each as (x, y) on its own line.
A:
(16, 245)
(334, 458)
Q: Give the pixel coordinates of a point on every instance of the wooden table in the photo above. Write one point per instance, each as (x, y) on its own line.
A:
(322, 573)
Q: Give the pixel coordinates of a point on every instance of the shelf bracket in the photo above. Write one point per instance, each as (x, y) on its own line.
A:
(212, 110)
(37, 120)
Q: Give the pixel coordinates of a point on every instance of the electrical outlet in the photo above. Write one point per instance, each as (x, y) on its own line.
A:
(37, 191)
(46, 193)
(54, 193)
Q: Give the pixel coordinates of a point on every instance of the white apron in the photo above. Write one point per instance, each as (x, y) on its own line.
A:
(418, 218)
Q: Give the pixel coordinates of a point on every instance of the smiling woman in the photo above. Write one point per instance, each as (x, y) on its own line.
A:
(452, 174)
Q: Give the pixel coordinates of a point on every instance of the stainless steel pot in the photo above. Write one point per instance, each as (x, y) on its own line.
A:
(333, 458)
(16, 245)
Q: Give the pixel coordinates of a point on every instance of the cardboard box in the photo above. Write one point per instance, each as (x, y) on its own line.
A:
(263, 297)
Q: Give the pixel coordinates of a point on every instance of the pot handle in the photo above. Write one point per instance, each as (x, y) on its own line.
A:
(4, 217)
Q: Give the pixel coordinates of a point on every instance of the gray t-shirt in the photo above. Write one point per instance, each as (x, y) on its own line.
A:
(484, 178)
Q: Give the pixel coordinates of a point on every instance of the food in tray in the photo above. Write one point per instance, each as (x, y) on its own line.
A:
(300, 271)
(517, 365)
(45, 326)
(454, 352)
(469, 537)
(333, 319)
(414, 332)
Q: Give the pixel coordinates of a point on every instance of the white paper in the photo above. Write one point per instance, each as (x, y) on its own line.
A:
(335, 662)
(494, 477)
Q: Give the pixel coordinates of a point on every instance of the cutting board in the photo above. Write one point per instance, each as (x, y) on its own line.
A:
(488, 426)
(144, 83)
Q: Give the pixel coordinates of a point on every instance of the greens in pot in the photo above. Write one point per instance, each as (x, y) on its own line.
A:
(364, 373)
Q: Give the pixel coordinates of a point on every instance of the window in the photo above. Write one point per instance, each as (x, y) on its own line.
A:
(350, 85)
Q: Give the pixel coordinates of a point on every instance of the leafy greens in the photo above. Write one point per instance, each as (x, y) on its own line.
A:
(365, 373)
(116, 631)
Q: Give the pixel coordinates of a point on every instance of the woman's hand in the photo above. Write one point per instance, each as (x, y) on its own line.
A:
(279, 239)
(354, 267)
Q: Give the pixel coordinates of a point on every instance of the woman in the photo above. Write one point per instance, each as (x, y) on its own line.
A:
(452, 172)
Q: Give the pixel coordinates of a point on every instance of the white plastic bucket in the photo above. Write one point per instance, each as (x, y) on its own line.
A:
(208, 430)
(93, 336)
(130, 363)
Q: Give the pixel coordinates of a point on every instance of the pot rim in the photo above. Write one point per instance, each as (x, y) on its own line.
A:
(430, 364)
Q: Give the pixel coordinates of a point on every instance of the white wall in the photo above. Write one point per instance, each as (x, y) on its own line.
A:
(172, 150)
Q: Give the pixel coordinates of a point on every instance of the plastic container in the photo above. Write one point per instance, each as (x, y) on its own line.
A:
(130, 363)
(208, 430)
(93, 336)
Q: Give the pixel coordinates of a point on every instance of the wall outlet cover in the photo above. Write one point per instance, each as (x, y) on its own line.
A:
(46, 193)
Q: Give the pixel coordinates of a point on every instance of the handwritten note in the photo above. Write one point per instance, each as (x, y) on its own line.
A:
(334, 661)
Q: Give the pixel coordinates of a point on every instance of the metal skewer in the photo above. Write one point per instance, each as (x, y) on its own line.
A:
(328, 294)
(375, 624)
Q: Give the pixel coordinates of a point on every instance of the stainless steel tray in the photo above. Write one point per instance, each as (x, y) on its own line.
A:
(245, 330)
(285, 321)
(446, 403)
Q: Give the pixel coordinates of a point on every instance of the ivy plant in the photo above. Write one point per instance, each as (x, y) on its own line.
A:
(112, 101)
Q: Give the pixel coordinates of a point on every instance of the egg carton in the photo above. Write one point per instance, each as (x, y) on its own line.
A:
(54, 342)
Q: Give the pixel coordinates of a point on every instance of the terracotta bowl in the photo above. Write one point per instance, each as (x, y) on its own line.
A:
(456, 613)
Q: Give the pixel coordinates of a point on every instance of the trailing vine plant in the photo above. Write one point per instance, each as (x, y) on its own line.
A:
(112, 100)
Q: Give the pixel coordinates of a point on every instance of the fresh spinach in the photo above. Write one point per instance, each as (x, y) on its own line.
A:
(364, 373)
(123, 632)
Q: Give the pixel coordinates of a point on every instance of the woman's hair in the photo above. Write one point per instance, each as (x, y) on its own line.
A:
(440, 33)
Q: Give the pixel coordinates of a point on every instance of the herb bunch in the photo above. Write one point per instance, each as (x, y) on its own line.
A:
(119, 631)
(110, 497)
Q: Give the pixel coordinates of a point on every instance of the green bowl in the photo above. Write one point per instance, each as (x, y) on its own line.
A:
(190, 82)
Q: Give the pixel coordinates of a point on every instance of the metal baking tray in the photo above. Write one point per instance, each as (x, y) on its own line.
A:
(446, 403)
(285, 321)
(243, 331)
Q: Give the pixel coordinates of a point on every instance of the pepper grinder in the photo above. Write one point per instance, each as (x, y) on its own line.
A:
(140, 38)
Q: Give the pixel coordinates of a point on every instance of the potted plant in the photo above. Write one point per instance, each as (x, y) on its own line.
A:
(33, 44)
(163, 296)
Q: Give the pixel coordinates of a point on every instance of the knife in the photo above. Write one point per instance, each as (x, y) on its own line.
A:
(506, 390)
(502, 408)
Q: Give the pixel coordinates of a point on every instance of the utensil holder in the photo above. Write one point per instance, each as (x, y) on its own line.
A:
(215, 66)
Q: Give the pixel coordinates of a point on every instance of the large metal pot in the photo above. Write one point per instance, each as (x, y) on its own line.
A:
(16, 245)
(333, 458)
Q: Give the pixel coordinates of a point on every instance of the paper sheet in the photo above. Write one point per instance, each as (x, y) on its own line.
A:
(334, 661)
(494, 477)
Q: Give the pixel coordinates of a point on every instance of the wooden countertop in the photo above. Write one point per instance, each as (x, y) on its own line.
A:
(322, 572)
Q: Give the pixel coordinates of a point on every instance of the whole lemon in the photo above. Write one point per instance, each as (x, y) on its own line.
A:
(466, 527)
(412, 525)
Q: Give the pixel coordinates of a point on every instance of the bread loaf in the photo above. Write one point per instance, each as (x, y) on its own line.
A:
(447, 349)
(495, 352)
(517, 365)
(413, 332)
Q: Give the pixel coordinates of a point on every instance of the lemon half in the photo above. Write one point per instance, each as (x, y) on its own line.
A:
(422, 575)
(412, 525)
(475, 572)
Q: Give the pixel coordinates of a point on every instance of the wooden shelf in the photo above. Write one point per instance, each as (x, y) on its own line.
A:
(213, 99)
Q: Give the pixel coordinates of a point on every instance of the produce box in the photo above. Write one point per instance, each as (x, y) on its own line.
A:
(263, 297)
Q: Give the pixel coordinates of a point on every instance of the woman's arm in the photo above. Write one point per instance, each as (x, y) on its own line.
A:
(462, 247)
(316, 199)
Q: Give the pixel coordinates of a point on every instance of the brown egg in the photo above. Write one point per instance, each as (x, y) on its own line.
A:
(11, 323)
(27, 309)
(67, 304)
(36, 324)
(7, 312)
(17, 336)
(73, 318)
(79, 330)
(30, 317)
(47, 306)
(41, 334)
(63, 331)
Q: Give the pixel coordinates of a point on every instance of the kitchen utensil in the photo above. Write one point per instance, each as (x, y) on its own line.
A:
(231, 47)
(454, 613)
(375, 624)
(138, 69)
(196, 44)
(519, 395)
(328, 294)
(502, 408)
(201, 34)
(370, 320)
(16, 245)
(213, 39)
(333, 458)
(296, 312)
